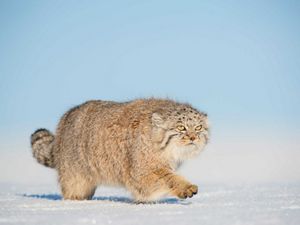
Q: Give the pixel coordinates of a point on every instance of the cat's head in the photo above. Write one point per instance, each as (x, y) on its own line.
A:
(183, 131)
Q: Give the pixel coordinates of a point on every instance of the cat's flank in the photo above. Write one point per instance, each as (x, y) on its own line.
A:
(137, 144)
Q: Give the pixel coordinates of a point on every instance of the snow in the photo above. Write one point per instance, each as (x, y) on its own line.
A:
(214, 204)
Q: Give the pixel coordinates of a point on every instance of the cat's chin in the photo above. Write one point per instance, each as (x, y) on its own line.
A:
(177, 152)
(191, 146)
(187, 151)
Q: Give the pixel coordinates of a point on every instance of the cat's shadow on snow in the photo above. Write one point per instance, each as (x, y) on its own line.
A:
(119, 199)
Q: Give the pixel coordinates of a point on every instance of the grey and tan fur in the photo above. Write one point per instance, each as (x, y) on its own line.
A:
(137, 144)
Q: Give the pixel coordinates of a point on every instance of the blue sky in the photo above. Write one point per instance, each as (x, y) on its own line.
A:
(237, 60)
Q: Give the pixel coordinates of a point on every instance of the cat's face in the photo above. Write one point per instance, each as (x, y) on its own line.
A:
(185, 132)
(190, 133)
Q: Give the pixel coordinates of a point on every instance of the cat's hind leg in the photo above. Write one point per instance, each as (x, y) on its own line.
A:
(77, 187)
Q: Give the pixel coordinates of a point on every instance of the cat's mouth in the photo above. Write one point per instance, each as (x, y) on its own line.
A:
(191, 145)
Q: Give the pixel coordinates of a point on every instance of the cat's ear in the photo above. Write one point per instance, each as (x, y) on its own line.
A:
(157, 119)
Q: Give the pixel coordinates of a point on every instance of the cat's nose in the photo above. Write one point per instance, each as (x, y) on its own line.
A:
(192, 138)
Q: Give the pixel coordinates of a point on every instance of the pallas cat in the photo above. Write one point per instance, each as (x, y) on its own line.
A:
(137, 144)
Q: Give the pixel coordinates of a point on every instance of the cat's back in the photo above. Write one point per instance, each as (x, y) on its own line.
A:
(93, 108)
(138, 106)
(105, 113)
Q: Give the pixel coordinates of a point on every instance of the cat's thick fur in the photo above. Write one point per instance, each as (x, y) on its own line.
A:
(137, 144)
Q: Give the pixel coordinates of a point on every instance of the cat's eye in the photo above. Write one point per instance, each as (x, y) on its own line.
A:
(198, 128)
(181, 128)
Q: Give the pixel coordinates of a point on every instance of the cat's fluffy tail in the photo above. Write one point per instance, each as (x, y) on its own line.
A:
(42, 147)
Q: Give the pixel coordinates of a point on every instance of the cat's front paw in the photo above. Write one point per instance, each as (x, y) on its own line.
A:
(186, 191)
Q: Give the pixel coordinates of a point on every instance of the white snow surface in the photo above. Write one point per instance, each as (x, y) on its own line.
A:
(214, 204)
